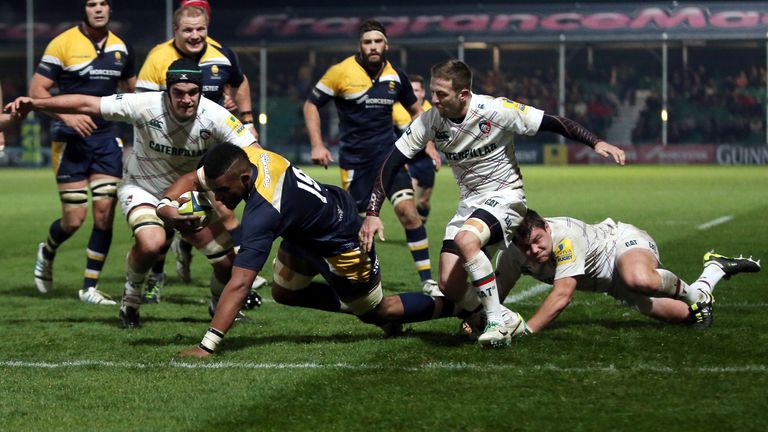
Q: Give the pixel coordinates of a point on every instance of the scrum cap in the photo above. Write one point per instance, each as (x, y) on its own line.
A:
(183, 70)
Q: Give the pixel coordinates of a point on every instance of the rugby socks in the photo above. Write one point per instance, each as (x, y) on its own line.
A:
(481, 275)
(421, 307)
(419, 246)
(674, 287)
(56, 236)
(96, 254)
(133, 285)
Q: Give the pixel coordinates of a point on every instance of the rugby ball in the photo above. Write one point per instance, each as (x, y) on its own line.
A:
(197, 205)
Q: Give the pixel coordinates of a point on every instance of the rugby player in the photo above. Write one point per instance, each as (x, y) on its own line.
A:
(87, 151)
(364, 88)
(475, 133)
(609, 257)
(172, 130)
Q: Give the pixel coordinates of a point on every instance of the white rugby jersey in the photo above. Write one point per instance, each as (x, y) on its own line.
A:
(164, 148)
(481, 149)
(579, 249)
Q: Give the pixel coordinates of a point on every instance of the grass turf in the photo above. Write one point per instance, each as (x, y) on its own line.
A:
(66, 365)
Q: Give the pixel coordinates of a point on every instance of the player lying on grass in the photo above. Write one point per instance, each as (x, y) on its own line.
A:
(319, 228)
(609, 257)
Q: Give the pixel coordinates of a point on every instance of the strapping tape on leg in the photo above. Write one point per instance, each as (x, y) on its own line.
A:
(73, 197)
(400, 196)
(483, 233)
(103, 189)
(217, 249)
(366, 303)
(142, 217)
(287, 278)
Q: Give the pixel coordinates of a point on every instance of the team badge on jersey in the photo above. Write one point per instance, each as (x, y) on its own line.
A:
(118, 57)
(485, 126)
(215, 70)
(564, 252)
(205, 134)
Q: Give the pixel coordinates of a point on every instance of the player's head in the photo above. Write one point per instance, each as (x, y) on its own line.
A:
(227, 173)
(451, 85)
(417, 81)
(184, 83)
(534, 237)
(190, 28)
(96, 13)
(199, 3)
(373, 43)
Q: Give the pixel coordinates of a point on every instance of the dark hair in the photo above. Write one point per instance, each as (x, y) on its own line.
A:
(217, 160)
(456, 71)
(371, 25)
(183, 70)
(416, 78)
(530, 221)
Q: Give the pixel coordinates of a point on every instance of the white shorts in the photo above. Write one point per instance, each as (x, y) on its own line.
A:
(131, 196)
(508, 207)
(631, 237)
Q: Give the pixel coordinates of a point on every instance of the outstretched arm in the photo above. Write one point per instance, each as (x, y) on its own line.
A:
(63, 104)
(40, 88)
(576, 132)
(231, 301)
(372, 223)
(557, 300)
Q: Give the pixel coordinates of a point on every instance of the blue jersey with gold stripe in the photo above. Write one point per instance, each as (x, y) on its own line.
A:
(219, 64)
(365, 105)
(78, 66)
(285, 202)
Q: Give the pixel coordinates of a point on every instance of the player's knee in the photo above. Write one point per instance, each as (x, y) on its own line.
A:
(72, 221)
(150, 245)
(390, 308)
(641, 280)
(284, 296)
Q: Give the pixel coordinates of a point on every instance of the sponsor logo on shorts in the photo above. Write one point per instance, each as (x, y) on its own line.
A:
(630, 243)
(564, 252)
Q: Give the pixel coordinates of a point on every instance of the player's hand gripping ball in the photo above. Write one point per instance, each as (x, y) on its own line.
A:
(197, 205)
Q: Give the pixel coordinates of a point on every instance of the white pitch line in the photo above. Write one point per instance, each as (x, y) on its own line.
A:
(715, 222)
(174, 364)
(530, 292)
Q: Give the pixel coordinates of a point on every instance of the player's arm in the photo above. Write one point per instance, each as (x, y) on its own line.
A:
(231, 301)
(168, 207)
(372, 223)
(557, 300)
(320, 154)
(62, 104)
(40, 88)
(576, 132)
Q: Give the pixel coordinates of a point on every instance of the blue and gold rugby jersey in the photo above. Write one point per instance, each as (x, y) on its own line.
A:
(218, 63)
(365, 109)
(285, 202)
(78, 66)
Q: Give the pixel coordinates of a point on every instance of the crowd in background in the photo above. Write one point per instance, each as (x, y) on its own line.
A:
(704, 107)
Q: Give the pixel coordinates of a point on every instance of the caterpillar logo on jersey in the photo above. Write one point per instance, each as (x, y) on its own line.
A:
(485, 126)
(515, 105)
(564, 252)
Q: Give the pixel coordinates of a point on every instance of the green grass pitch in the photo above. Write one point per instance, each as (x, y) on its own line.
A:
(65, 365)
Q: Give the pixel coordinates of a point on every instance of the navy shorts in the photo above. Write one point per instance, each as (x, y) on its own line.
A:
(75, 158)
(422, 169)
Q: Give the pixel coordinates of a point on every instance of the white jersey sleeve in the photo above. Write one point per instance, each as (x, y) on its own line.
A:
(124, 107)
(523, 119)
(418, 134)
(230, 129)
